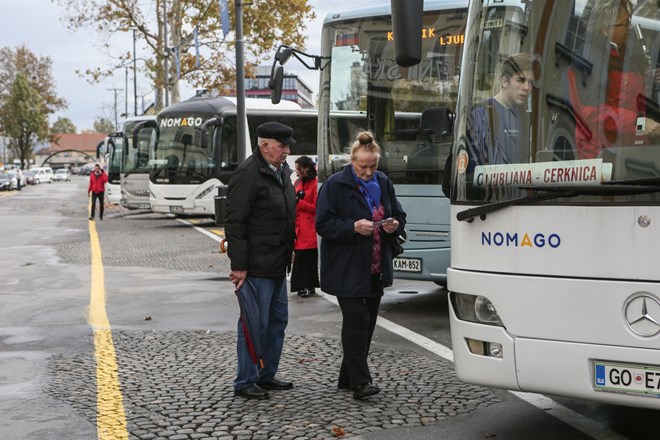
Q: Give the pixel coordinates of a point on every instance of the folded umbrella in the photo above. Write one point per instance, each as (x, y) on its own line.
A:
(247, 302)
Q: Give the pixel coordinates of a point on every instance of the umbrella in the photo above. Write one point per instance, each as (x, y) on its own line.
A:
(250, 319)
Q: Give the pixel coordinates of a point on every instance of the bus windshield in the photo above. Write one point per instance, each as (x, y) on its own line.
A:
(365, 89)
(136, 158)
(570, 108)
(184, 152)
(115, 153)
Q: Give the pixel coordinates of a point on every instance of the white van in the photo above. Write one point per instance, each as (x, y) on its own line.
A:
(42, 174)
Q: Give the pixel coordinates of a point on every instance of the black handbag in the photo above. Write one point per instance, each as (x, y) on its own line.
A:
(397, 245)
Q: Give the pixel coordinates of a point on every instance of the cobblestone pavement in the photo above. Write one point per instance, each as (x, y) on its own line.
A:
(178, 384)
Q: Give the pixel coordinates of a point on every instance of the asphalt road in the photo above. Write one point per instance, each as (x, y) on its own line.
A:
(166, 367)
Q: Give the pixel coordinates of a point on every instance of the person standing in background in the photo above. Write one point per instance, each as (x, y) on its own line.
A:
(19, 178)
(358, 216)
(305, 274)
(96, 189)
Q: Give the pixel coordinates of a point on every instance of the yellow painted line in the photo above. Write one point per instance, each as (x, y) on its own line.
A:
(220, 232)
(111, 417)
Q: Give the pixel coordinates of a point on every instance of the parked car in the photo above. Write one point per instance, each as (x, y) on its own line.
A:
(29, 177)
(8, 182)
(62, 174)
(43, 174)
(87, 169)
(23, 178)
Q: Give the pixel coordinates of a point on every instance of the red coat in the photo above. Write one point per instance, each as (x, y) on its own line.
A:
(306, 215)
(609, 123)
(97, 183)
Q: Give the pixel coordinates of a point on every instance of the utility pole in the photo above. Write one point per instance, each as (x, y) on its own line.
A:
(115, 90)
(134, 78)
(167, 56)
(126, 94)
(240, 79)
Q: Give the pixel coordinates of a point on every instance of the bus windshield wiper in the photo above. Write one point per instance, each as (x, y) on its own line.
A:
(556, 192)
(639, 181)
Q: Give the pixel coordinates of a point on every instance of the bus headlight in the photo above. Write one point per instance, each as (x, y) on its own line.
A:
(475, 308)
(205, 192)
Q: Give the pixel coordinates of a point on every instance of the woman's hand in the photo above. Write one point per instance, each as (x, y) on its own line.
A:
(391, 226)
(363, 227)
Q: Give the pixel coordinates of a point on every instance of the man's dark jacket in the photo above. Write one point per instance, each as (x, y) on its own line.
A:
(260, 218)
(346, 255)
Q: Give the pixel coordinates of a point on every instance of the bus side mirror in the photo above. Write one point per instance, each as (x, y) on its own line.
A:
(210, 123)
(275, 84)
(407, 29)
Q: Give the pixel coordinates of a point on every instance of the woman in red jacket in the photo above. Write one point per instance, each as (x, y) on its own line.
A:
(97, 181)
(305, 274)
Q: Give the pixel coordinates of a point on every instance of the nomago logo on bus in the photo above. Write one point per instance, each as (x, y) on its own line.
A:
(516, 239)
(181, 122)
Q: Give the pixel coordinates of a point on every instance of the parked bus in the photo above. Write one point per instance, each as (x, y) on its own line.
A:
(554, 284)
(361, 87)
(195, 148)
(133, 171)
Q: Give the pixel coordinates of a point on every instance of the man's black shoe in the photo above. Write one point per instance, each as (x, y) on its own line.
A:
(274, 384)
(251, 392)
(364, 391)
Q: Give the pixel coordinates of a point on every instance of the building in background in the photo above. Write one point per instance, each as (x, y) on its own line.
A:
(293, 88)
(75, 150)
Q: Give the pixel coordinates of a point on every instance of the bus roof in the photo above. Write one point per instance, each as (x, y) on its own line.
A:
(221, 104)
(140, 118)
(385, 9)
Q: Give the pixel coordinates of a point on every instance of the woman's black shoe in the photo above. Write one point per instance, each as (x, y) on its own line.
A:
(301, 292)
(305, 293)
(364, 391)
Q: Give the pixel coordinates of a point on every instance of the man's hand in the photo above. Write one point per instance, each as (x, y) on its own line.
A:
(238, 277)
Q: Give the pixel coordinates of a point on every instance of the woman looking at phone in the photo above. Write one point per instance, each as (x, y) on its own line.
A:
(357, 217)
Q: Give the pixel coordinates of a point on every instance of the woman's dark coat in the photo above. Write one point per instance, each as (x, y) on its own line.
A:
(260, 218)
(346, 255)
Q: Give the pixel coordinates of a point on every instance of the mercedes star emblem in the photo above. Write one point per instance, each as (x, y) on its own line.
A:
(641, 312)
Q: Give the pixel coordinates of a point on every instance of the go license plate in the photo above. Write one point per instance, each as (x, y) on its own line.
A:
(407, 264)
(626, 378)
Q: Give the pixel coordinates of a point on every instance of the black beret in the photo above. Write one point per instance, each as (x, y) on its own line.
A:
(277, 131)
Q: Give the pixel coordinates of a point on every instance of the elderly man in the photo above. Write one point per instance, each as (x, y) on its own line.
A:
(259, 228)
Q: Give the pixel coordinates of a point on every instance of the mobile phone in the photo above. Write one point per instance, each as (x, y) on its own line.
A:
(386, 221)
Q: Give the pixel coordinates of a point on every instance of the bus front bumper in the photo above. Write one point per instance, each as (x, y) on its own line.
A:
(541, 366)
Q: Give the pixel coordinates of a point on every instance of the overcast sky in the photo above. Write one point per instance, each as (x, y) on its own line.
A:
(36, 24)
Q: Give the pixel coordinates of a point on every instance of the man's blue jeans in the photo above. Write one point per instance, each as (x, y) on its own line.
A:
(274, 315)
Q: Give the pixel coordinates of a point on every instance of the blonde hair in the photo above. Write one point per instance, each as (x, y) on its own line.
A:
(364, 141)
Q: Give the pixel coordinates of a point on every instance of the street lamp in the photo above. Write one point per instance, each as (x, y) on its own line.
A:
(135, 106)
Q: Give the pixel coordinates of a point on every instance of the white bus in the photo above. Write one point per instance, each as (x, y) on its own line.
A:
(554, 281)
(195, 148)
(130, 165)
(408, 110)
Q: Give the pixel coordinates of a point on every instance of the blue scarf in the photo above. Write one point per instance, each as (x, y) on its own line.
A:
(370, 189)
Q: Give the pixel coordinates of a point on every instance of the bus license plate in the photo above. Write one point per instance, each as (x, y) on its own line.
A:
(144, 206)
(175, 209)
(407, 264)
(626, 378)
